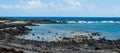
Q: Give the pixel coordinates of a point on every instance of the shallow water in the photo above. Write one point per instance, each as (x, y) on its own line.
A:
(48, 32)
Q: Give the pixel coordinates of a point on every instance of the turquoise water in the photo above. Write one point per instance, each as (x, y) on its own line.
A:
(49, 32)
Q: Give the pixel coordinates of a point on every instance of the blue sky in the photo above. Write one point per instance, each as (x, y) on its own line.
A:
(75, 8)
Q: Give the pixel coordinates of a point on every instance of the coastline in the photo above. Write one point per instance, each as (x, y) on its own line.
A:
(65, 45)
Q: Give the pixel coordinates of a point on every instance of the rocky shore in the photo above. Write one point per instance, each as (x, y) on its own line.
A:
(10, 50)
(77, 44)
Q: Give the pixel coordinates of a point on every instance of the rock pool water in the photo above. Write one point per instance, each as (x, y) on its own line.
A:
(48, 32)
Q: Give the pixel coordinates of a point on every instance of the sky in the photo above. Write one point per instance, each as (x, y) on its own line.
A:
(63, 8)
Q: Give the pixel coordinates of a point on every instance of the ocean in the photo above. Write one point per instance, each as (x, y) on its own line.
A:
(68, 18)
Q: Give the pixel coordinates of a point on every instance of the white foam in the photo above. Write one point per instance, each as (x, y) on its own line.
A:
(75, 22)
(103, 21)
(111, 22)
(82, 21)
(71, 22)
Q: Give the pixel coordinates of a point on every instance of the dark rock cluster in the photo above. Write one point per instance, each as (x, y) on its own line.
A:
(9, 50)
(10, 33)
(45, 21)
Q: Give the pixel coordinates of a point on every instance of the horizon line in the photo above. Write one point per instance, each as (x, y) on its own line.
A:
(59, 16)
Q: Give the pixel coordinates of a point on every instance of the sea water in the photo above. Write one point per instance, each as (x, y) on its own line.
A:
(48, 31)
(68, 18)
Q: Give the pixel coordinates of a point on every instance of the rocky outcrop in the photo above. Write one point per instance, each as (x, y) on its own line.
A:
(9, 50)
(42, 21)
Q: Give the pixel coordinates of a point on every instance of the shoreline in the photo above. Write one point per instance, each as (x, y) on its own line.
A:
(74, 44)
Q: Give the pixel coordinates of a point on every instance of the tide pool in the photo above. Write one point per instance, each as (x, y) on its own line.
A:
(48, 32)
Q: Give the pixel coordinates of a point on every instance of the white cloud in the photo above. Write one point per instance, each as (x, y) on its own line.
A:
(66, 6)
(30, 4)
(73, 2)
(6, 6)
(25, 5)
(33, 4)
(56, 5)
